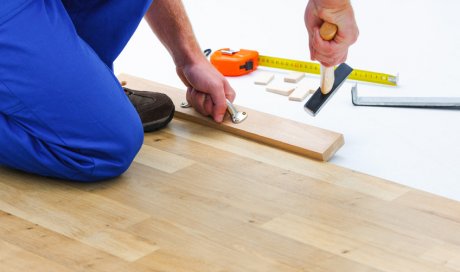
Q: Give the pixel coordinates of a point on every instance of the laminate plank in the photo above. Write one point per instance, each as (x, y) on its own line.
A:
(271, 199)
(177, 261)
(211, 246)
(425, 202)
(161, 160)
(211, 192)
(337, 242)
(202, 251)
(55, 247)
(13, 259)
(349, 207)
(127, 246)
(207, 216)
(339, 176)
(63, 209)
(39, 199)
(446, 254)
(313, 142)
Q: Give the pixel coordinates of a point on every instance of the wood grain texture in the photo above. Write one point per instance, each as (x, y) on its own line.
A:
(161, 160)
(354, 248)
(226, 204)
(313, 142)
(14, 258)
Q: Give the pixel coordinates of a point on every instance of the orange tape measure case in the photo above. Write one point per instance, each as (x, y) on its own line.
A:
(235, 62)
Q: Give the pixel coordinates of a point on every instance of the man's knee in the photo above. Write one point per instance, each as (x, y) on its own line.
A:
(116, 154)
(102, 158)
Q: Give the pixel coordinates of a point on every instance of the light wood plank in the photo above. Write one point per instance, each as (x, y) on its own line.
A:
(161, 160)
(330, 173)
(446, 254)
(425, 202)
(52, 246)
(14, 259)
(201, 251)
(302, 139)
(337, 242)
(37, 205)
(194, 194)
(127, 246)
(364, 209)
(58, 213)
(177, 261)
(206, 215)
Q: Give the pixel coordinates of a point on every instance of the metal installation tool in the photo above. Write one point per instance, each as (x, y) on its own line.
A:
(237, 116)
(330, 80)
(327, 33)
(318, 99)
(405, 102)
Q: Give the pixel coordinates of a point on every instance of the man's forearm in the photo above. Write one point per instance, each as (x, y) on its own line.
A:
(169, 21)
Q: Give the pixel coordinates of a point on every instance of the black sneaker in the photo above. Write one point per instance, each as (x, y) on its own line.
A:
(156, 110)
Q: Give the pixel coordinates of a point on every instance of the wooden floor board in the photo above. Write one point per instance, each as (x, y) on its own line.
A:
(272, 156)
(425, 202)
(90, 219)
(50, 245)
(337, 242)
(272, 130)
(401, 215)
(197, 199)
(204, 248)
(445, 254)
(13, 258)
(161, 160)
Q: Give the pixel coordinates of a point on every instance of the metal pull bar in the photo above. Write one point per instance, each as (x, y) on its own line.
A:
(405, 102)
(237, 116)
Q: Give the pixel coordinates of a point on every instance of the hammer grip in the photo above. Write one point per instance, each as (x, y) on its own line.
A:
(328, 31)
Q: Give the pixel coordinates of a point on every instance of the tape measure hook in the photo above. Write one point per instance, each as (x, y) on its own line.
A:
(394, 79)
(229, 51)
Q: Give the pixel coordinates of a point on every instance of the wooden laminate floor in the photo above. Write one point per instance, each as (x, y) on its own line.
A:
(197, 199)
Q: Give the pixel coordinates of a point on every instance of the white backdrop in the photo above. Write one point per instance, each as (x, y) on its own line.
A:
(417, 39)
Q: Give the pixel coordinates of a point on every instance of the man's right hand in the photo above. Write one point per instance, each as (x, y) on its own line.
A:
(207, 89)
(340, 13)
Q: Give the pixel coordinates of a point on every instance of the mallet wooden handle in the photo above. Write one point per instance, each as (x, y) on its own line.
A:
(327, 33)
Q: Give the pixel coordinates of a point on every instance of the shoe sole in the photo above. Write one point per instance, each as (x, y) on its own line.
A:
(158, 124)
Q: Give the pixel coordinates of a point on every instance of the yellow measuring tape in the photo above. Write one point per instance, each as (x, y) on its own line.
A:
(314, 68)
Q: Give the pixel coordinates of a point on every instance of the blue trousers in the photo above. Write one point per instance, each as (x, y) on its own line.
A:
(63, 113)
